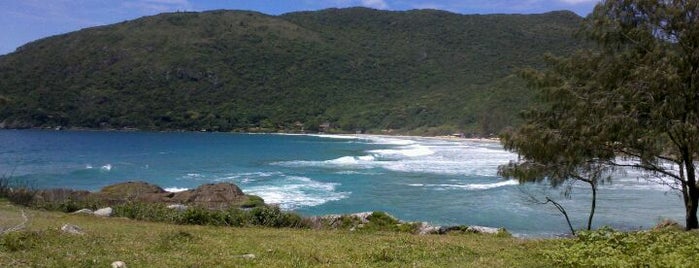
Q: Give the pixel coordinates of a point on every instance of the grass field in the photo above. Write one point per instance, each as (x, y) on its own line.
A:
(148, 244)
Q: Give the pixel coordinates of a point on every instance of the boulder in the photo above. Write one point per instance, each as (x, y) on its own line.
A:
(72, 229)
(59, 195)
(130, 191)
(103, 212)
(214, 196)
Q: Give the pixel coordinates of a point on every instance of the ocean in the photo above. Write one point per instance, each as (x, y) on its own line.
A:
(439, 181)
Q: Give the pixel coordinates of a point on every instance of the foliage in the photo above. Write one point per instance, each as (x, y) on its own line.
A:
(425, 71)
(17, 191)
(253, 201)
(608, 248)
(258, 216)
(21, 240)
(552, 143)
(632, 101)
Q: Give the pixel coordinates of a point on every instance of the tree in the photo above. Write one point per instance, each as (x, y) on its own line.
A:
(633, 99)
(551, 147)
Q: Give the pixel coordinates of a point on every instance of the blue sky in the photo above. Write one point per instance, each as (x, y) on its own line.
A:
(22, 21)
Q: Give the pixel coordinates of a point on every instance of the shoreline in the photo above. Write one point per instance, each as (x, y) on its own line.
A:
(440, 137)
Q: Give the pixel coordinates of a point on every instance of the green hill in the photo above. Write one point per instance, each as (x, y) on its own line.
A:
(424, 71)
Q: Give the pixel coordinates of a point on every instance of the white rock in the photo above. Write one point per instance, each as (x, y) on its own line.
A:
(426, 228)
(178, 207)
(84, 211)
(248, 256)
(72, 229)
(103, 212)
(118, 264)
(483, 229)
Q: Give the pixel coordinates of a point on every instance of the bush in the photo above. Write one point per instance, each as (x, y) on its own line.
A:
(274, 217)
(258, 216)
(22, 240)
(381, 221)
(253, 201)
(146, 211)
(16, 191)
(609, 248)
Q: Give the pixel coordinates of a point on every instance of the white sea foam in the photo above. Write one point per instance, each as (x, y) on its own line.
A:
(88, 166)
(292, 192)
(408, 151)
(175, 189)
(352, 162)
(471, 186)
(354, 172)
(412, 155)
(246, 177)
(341, 137)
(107, 167)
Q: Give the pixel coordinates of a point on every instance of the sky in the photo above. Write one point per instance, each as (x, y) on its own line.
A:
(23, 21)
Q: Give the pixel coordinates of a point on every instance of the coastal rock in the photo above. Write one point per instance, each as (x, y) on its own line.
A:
(426, 228)
(130, 191)
(84, 211)
(72, 229)
(213, 196)
(483, 229)
(58, 195)
(103, 212)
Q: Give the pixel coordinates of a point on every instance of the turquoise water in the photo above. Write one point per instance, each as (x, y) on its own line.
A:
(444, 182)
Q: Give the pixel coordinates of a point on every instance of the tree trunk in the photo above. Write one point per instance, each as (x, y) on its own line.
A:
(692, 210)
(692, 197)
(563, 211)
(594, 204)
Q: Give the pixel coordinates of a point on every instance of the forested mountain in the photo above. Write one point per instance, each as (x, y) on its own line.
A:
(424, 71)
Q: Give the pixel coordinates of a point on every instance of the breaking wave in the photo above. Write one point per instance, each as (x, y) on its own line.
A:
(471, 186)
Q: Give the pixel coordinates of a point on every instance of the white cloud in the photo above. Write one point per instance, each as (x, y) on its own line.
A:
(378, 4)
(575, 2)
(150, 6)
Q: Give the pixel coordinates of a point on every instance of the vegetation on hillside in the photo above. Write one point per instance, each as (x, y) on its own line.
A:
(424, 71)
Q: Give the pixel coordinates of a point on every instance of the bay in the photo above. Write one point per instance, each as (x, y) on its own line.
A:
(440, 181)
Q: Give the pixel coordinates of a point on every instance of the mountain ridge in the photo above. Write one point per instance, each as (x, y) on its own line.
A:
(424, 71)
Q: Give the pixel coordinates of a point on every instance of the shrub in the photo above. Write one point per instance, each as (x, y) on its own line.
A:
(17, 191)
(253, 201)
(146, 211)
(609, 248)
(271, 216)
(22, 240)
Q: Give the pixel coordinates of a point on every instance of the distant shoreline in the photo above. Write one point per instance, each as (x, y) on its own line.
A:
(440, 137)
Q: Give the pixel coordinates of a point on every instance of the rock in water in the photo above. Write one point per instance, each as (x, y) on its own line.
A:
(103, 212)
(118, 264)
(72, 229)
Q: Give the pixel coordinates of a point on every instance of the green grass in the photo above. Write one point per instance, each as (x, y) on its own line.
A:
(151, 244)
